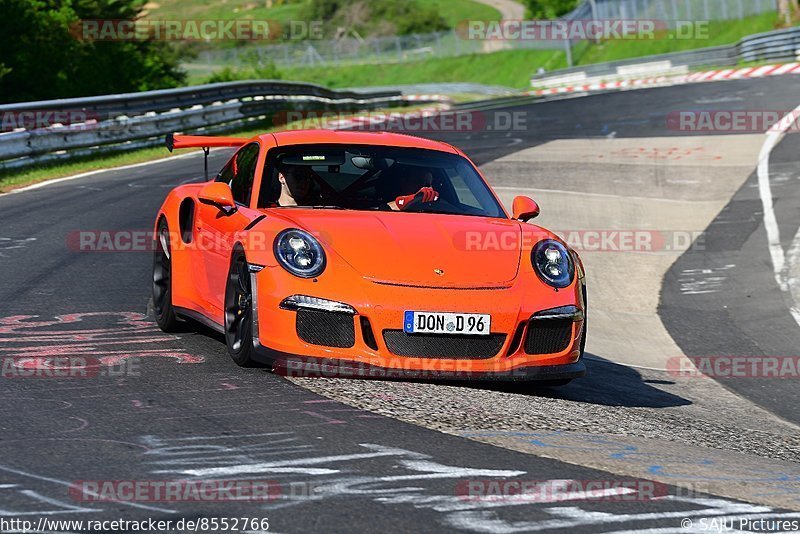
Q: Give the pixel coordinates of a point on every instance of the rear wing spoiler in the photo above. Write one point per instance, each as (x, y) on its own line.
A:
(202, 141)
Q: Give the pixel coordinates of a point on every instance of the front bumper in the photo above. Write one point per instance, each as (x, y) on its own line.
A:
(292, 365)
(281, 342)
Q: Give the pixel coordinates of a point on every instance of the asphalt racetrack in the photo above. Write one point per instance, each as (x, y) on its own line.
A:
(355, 455)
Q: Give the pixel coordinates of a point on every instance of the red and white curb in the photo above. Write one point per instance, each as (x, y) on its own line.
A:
(736, 74)
(426, 98)
(601, 86)
(376, 119)
(695, 77)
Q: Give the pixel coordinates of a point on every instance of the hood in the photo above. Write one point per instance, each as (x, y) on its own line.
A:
(419, 249)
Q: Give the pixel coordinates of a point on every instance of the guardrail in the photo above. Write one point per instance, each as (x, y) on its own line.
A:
(770, 46)
(134, 120)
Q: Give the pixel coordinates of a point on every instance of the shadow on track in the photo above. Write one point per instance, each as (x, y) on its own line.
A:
(606, 383)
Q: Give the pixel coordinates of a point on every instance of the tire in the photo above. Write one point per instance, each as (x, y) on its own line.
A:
(162, 281)
(239, 312)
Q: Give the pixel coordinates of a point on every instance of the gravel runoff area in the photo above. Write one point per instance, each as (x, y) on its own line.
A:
(610, 401)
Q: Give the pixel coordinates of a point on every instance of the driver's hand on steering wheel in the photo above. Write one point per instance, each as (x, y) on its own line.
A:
(425, 195)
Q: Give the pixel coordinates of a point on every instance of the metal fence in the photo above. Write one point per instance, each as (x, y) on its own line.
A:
(671, 11)
(778, 45)
(400, 49)
(351, 51)
(114, 123)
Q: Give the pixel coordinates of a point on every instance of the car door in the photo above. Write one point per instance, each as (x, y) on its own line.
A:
(218, 231)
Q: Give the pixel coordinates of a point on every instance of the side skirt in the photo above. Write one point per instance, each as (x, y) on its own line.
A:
(186, 313)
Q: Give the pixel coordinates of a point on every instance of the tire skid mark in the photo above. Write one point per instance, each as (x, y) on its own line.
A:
(33, 343)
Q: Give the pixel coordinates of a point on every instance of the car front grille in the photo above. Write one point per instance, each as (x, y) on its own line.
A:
(548, 336)
(443, 346)
(326, 328)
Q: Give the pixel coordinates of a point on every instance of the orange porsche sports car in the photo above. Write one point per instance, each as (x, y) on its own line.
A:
(335, 253)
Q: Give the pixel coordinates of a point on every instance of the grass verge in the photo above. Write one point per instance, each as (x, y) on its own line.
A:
(719, 33)
(513, 68)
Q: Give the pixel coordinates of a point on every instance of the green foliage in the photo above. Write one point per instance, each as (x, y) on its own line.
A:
(511, 68)
(550, 9)
(47, 57)
(255, 68)
(398, 17)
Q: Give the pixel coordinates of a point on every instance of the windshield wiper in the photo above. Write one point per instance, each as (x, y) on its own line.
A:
(443, 212)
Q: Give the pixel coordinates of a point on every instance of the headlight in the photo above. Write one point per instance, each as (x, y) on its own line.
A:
(553, 263)
(299, 253)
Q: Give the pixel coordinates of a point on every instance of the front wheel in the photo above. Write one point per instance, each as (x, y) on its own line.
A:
(239, 312)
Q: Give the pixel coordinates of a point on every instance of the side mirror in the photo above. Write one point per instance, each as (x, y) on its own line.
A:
(525, 208)
(218, 194)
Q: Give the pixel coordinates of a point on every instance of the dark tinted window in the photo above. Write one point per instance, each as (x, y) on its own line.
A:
(371, 177)
(239, 173)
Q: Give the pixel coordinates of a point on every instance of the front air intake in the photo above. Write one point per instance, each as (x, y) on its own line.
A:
(329, 329)
(548, 336)
(443, 346)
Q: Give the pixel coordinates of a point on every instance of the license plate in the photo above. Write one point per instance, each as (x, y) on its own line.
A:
(476, 324)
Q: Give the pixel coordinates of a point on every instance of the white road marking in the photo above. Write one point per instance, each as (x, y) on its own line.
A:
(793, 275)
(39, 185)
(702, 281)
(571, 517)
(779, 259)
(268, 467)
(71, 484)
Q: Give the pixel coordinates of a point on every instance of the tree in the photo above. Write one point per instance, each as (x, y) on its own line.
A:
(47, 59)
(785, 12)
(550, 9)
(399, 17)
(788, 9)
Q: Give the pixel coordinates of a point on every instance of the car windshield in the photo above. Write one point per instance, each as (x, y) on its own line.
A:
(375, 178)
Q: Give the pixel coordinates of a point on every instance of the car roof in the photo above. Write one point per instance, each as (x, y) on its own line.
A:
(302, 137)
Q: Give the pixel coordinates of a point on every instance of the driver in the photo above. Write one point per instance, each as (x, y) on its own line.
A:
(424, 192)
(297, 186)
